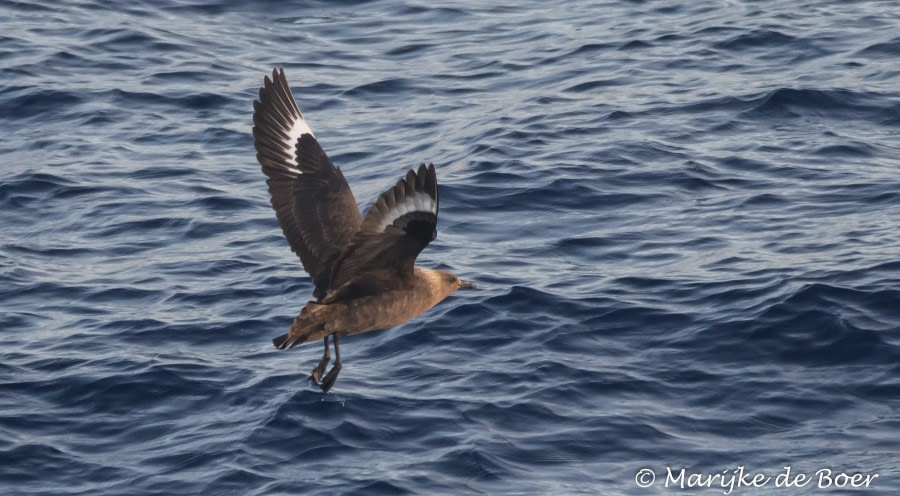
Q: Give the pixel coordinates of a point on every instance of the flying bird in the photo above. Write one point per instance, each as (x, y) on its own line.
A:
(363, 267)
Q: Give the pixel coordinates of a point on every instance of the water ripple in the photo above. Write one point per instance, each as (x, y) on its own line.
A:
(682, 219)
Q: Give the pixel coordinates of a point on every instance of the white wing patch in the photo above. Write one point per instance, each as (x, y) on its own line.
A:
(299, 127)
(417, 202)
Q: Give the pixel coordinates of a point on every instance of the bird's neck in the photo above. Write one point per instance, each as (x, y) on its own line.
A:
(432, 282)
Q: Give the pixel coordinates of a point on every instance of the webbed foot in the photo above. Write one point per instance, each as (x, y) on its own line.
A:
(329, 379)
(317, 372)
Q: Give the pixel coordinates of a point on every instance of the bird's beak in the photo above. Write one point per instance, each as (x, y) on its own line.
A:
(466, 284)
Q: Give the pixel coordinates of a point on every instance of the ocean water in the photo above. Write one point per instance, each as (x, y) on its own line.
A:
(683, 218)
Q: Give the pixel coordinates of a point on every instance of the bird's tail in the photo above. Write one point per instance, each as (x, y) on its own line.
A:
(305, 326)
(280, 341)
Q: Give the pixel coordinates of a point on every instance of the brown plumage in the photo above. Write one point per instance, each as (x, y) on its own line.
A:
(363, 269)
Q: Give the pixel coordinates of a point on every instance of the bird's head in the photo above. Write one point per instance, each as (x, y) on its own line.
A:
(444, 284)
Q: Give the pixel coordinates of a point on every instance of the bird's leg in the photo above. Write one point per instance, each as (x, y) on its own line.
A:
(329, 379)
(320, 369)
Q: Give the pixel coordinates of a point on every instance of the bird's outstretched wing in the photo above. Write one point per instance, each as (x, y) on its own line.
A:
(311, 198)
(394, 231)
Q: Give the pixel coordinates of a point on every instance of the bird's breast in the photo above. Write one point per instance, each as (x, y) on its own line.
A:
(381, 311)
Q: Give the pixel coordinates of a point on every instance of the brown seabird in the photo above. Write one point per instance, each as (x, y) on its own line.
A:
(363, 268)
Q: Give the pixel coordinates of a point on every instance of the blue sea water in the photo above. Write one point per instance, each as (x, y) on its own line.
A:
(682, 217)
